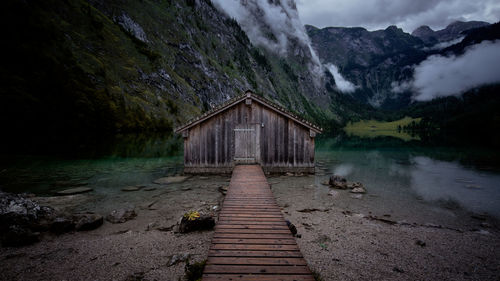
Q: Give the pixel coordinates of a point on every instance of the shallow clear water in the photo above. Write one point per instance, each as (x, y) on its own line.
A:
(406, 178)
(121, 162)
(403, 177)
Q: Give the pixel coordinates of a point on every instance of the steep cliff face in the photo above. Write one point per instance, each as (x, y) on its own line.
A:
(140, 65)
(375, 61)
(370, 60)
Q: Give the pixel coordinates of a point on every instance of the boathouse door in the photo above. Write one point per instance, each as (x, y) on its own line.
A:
(245, 143)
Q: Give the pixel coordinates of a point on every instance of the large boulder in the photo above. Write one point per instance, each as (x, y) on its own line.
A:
(338, 182)
(21, 219)
(193, 221)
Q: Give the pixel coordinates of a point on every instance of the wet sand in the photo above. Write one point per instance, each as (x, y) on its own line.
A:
(340, 239)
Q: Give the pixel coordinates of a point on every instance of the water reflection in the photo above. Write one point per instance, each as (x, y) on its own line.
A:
(106, 167)
(400, 176)
(449, 181)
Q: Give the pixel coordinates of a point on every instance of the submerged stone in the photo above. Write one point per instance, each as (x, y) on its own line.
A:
(131, 188)
(76, 190)
(169, 180)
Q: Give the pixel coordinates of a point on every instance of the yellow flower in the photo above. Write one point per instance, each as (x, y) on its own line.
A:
(192, 215)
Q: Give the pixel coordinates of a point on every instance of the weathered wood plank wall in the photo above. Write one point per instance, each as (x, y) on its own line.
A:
(281, 144)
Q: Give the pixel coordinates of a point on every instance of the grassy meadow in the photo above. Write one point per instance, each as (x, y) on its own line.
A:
(374, 128)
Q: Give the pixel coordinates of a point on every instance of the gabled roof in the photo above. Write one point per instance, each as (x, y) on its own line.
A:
(261, 100)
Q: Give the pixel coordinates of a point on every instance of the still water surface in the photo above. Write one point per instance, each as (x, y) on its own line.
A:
(400, 176)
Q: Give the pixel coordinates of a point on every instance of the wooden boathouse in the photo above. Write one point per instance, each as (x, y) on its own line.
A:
(248, 129)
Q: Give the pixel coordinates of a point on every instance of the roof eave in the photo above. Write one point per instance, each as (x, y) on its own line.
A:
(241, 98)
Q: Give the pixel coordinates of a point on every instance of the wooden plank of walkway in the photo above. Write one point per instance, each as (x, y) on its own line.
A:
(252, 240)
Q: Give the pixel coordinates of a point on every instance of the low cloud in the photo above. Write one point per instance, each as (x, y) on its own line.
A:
(342, 84)
(408, 14)
(440, 76)
(442, 45)
(271, 24)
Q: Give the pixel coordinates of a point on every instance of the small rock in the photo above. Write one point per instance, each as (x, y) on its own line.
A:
(397, 269)
(292, 227)
(485, 225)
(62, 225)
(131, 188)
(333, 193)
(355, 185)
(420, 243)
(223, 190)
(288, 174)
(175, 259)
(203, 178)
(121, 215)
(151, 226)
(76, 190)
(358, 190)
(357, 196)
(137, 276)
(483, 232)
(165, 228)
(170, 180)
(325, 183)
(87, 221)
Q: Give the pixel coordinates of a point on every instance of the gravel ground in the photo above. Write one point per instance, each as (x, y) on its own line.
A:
(342, 238)
(351, 239)
(139, 249)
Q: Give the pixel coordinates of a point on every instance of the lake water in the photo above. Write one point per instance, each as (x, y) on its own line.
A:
(413, 181)
(409, 180)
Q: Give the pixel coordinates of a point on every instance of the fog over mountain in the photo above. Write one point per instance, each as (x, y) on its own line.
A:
(272, 24)
(407, 14)
(440, 76)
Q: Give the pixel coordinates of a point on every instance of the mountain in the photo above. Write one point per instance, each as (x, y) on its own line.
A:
(108, 66)
(370, 60)
(451, 32)
(376, 60)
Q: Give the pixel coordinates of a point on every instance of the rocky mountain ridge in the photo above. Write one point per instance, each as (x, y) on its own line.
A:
(451, 32)
(374, 60)
(127, 66)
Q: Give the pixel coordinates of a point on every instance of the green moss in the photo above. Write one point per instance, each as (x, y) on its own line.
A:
(194, 271)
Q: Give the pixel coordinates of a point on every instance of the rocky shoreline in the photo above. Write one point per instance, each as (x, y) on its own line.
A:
(137, 234)
(152, 239)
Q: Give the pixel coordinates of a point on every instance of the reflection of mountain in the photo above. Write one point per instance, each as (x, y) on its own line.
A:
(399, 174)
(436, 180)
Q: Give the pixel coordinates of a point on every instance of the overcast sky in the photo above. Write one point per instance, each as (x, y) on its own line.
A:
(407, 14)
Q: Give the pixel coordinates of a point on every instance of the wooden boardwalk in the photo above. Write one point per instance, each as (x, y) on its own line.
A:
(252, 240)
